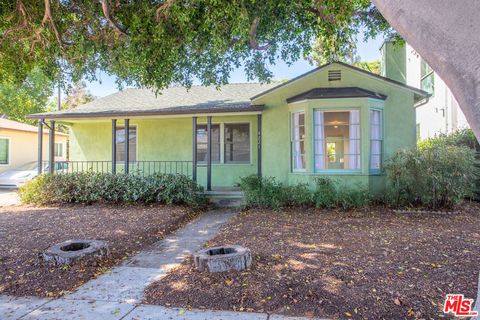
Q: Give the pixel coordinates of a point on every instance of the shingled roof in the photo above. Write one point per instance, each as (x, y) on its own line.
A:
(174, 100)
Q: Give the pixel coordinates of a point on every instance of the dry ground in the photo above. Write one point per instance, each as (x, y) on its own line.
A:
(25, 232)
(369, 264)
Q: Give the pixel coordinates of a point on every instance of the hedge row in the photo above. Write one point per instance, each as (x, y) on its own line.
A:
(89, 187)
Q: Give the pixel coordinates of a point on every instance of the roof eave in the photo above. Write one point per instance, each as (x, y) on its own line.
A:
(86, 115)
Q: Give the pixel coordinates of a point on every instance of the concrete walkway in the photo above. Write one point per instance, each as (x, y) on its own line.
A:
(9, 197)
(118, 294)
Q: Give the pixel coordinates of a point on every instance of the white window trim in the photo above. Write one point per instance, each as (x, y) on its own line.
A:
(382, 151)
(62, 143)
(222, 143)
(9, 151)
(136, 149)
(338, 171)
(293, 170)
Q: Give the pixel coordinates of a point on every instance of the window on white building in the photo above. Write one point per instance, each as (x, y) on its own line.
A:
(427, 78)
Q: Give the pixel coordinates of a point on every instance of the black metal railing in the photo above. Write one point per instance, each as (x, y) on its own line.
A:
(143, 168)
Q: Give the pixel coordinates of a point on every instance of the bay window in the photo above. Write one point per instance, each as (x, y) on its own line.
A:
(375, 139)
(337, 140)
(298, 141)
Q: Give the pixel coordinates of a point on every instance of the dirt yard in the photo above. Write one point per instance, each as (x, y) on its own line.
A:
(25, 232)
(373, 264)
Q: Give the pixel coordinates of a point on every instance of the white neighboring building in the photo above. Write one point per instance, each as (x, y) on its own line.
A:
(441, 114)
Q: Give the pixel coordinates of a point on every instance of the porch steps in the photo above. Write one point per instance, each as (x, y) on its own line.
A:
(225, 199)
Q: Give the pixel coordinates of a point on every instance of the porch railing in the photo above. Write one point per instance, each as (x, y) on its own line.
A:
(143, 168)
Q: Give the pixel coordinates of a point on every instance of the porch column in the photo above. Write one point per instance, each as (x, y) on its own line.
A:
(209, 153)
(114, 146)
(40, 146)
(51, 148)
(194, 148)
(259, 145)
(127, 145)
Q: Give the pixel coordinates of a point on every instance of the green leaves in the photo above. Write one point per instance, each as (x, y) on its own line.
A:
(175, 41)
(89, 187)
(17, 100)
(434, 176)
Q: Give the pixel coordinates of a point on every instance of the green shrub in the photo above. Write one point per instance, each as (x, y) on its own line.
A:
(268, 193)
(325, 195)
(89, 187)
(434, 176)
(350, 198)
(298, 195)
(263, 192)
(461, 137)
(330, 195)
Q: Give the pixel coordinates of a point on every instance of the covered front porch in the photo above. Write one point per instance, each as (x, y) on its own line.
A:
(215, 150)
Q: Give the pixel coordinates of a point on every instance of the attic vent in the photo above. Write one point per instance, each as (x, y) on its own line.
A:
(334, 75)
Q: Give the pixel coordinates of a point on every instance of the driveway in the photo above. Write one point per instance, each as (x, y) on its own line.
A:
(9, 197)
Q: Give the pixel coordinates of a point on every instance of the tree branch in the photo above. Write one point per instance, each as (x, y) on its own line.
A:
(253, 36)
(162, 8)
(48, 17)
(106, 13)
(318, 11)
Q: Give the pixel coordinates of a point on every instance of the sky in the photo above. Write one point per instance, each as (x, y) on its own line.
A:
(367, 51)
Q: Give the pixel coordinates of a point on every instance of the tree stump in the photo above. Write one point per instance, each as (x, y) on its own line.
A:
(223, 259)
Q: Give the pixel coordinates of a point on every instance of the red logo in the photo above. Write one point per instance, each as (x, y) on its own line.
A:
(459, 306)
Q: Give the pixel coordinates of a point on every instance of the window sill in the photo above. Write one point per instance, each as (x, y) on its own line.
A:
(226, 164)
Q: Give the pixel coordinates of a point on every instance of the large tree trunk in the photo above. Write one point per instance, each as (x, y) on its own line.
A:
(446, 34)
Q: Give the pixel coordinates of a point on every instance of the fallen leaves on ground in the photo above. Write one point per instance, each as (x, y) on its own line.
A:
(371, 263)
(25, 232)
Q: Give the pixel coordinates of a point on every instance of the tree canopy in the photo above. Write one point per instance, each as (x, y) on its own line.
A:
(31, 95)
(154, 43)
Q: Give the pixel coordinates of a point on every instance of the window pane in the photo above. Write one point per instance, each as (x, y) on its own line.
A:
(428, 83)
(375, 139)
(58, 149)
(132, 144)
(298, 143)
(237, 142)
(3, 151)
(337, 140)
(202, 139)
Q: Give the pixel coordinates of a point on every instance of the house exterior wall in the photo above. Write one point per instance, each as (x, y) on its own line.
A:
(167, 139)
(171, 138)
(398, 125)
(24, 147)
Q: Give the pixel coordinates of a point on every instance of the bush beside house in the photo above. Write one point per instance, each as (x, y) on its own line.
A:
(90, 187)
(434, 176)
(439, 173)
(269, 193)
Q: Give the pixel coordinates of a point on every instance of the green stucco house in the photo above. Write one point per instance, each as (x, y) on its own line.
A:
(336, 120)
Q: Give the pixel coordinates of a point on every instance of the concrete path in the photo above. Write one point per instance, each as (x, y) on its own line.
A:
(118, 294)
(9, 197)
